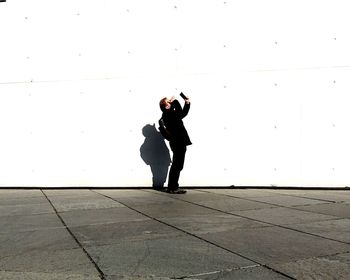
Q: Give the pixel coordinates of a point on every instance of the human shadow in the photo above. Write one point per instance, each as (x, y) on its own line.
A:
(155, 153)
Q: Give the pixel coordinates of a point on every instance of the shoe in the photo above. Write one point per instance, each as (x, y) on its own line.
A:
(177, 191)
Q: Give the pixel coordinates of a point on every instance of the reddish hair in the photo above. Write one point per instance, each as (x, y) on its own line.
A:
(162, 103)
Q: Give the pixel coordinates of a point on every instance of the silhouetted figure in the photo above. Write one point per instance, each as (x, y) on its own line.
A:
(155, 153)
(173, 129)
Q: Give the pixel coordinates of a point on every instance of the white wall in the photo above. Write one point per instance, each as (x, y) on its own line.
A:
(268, 80)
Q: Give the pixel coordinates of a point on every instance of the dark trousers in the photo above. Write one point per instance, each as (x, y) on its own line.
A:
(177, 165)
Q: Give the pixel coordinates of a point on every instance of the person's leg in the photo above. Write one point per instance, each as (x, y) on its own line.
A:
(176, 166)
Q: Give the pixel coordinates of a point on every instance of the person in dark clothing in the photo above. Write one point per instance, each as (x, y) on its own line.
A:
(173, 129)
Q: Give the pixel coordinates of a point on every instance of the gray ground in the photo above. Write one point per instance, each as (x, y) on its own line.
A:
(205, 234)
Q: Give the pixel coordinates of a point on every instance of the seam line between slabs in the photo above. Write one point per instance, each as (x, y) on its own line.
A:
(268, 223)
(101, 274)
(196, 236)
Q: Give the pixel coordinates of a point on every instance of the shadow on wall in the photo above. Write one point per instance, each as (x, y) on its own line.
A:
(155, 153)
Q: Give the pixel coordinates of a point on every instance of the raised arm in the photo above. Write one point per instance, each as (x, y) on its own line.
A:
(186, 108)
(181, 112)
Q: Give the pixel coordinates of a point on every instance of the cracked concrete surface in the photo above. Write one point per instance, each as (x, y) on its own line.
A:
(207, 234)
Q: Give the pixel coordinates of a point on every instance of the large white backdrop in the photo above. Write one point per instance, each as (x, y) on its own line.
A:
(269, 83)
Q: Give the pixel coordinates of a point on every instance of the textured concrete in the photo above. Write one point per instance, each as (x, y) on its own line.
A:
(341, 210)
(25, 209)
(334, 229)
(205, 234)
(15, 223)
(328, 267)
(173, 256)
(283, 216)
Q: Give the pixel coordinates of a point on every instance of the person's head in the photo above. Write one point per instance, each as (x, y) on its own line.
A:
(165, 104)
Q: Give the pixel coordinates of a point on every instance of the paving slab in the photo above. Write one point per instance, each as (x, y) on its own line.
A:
(242, 193)
(4, 200)
(235, 204)
(219, 222)
(194, 196)
(223, 203)
(250, 273)
(111, 233)
(26, 209)
(327, 195)
(126, 193)
(63, 204)
(16, 193)
(143, 198)
(101, 216)
(275, 244)
(15, 243)
(174, 208)
(334, 229)
(287, 201)
(138, 277)
(72, 261)
(341, 210)
(328, 267)
(10, 224)
(283, 216)
(14, 275)
(69, 193)
(168, 257)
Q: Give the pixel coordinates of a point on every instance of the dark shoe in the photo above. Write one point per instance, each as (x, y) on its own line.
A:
(177, 191)
(160, 189)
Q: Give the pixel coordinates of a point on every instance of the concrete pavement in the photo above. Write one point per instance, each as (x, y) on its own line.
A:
(144, 234)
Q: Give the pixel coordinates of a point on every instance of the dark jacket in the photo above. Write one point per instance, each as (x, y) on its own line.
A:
(172, 123)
